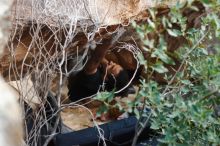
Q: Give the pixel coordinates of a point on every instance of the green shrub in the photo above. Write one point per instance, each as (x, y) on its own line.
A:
(183, 110)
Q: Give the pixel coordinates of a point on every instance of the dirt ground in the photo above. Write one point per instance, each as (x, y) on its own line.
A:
(77, 118)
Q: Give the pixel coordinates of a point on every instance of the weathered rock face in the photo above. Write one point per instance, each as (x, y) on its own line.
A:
(11, 130)
(100, 12)
(4, 29)
(27, 54)
(38, 47)
(37, 39)
(10, 115)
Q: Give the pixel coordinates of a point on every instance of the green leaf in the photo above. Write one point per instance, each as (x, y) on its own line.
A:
(149, 43)
(159, 67)
(137, 113)
(174, 32)
(105, 96)
(152, 13)
(151, 23)
(186, 82)
(155, 125)
(141, 59)
(163, 56)
(101, 110)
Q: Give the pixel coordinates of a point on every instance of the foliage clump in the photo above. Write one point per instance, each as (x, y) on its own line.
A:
(184, 110)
